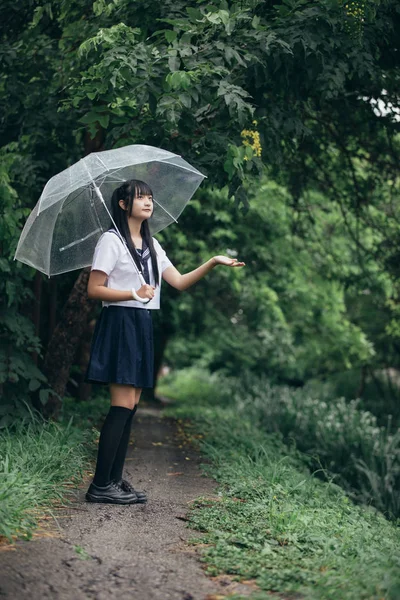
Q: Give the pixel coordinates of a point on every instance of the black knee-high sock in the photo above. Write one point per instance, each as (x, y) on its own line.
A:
(110, 437)
(117, 468)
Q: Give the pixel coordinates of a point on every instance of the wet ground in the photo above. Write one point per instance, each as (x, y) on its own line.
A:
(105, 551)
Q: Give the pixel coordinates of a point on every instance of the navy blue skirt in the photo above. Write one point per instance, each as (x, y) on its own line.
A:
(122, 347)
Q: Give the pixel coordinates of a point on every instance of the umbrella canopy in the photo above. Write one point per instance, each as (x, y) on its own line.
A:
(74, 209)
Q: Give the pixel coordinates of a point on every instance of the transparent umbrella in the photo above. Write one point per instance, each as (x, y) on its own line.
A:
(74, 209)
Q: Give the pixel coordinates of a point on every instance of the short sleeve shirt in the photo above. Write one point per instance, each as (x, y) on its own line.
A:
(111, 257)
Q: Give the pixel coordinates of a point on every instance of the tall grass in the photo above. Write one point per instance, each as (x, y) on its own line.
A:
(333, 433)
(275, 522)
(39, 461)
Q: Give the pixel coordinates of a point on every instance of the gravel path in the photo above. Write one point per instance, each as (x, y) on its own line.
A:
(105, 551)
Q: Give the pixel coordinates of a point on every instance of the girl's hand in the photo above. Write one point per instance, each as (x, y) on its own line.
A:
(228, 262)
(146, 291)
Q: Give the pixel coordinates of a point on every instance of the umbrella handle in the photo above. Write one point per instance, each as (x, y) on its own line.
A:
(143, 282)
(139, 298)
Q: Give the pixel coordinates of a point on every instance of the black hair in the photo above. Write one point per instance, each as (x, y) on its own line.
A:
(127, 192)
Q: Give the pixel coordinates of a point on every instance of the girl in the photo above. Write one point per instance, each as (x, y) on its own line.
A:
(122, 347)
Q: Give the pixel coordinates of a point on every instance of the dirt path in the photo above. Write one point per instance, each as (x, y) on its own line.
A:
(105, 551)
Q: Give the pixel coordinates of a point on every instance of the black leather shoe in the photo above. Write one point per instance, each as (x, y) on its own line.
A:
(111, 493)
(126, 486)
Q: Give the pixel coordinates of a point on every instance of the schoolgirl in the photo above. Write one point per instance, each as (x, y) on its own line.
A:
(122, 353)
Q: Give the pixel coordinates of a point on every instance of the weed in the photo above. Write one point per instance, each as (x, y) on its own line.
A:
(278, 523)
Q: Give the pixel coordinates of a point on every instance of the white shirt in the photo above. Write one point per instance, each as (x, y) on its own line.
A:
(111, 257)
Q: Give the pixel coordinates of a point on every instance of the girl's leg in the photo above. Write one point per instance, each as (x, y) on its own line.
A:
(123, 395)
(118, 465)
(123, 399)
(138, 393)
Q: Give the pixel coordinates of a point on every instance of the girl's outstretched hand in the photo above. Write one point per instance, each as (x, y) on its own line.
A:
(228, 262)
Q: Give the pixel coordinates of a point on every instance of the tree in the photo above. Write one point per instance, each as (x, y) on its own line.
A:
(217, 83)
(18, 373)
(285, 313)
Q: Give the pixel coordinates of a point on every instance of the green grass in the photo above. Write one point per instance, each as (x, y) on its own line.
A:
(276, 522)
(40, 462)
(193, 385)
(332, 432)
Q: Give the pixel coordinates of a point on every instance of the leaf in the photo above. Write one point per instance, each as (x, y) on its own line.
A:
(44, 396)
(89, 117)
(170, 35)
(34, 384)
(178, 79)
(37, 16)
(194, 14)
(241, 198)
(174, 63)
(186, 100)
(104, 120)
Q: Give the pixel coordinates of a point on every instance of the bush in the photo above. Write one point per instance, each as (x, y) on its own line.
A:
(336, 435)
(194, 384)
(38, 463)
(273, 522)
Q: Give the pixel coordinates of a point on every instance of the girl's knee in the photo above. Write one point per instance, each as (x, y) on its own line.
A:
(122, 395)
(123, 403)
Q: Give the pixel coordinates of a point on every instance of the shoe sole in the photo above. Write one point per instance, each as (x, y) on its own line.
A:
(108, 500)
(141, 500)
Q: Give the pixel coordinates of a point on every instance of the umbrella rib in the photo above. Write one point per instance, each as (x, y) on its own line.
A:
(165, 210)
(112, 180)
(80, 240)
(98, 158)
(88, 185)
(65, 204)
(192, 170)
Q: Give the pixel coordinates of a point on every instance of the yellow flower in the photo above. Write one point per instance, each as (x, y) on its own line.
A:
(252, 139)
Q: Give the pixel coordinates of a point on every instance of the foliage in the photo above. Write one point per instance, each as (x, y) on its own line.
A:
(39, 461)
(343, 440)
(192, 385)
(284, 313)
(377, 389)
(36, 143)
(305, 78)
(273, 522)
(18, 373)
(194, 76)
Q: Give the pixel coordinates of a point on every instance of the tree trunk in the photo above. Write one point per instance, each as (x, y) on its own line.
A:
(67, 334)
(85, 389)
(37, 292)
(61, 350)
(52, 306)
(159, 352)
(361, 387)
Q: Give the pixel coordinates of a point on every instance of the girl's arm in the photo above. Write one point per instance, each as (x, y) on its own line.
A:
(181, 282)
(98, 291)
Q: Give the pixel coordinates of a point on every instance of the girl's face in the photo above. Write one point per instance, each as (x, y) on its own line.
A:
(142, 207)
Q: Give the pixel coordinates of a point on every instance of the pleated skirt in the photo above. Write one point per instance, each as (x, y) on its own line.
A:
(122, 348)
